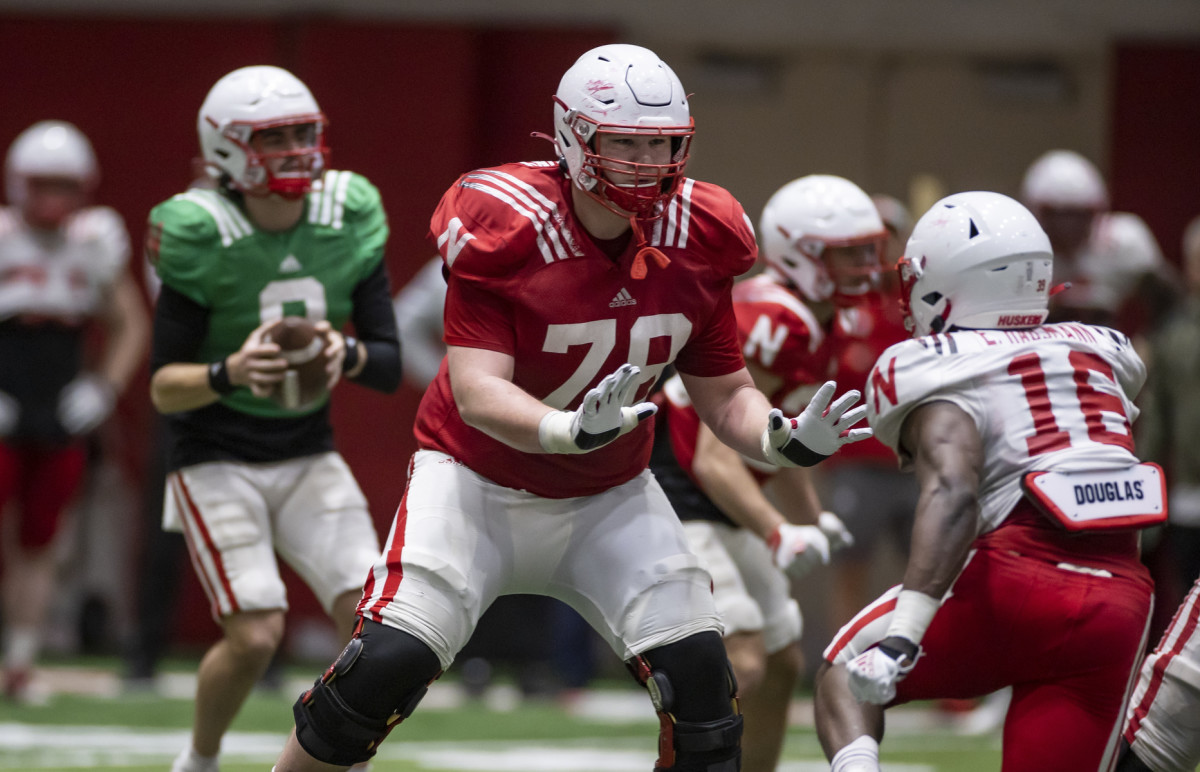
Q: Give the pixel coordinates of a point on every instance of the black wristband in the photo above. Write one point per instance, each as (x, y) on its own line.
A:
(351, 360)
(218, 378)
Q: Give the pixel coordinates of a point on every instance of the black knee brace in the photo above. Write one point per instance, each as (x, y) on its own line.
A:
(373, 685)
(695, 695)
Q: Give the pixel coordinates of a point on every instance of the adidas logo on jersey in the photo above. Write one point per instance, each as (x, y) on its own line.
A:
(290, 265)
(623, 298)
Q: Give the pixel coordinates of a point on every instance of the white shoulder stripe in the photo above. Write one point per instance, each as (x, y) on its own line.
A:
(321, 210)
(231, 223)
(529, 203)
(339, 199)
(685, 211)
(537, 202)
(671, 230)
(543, 247)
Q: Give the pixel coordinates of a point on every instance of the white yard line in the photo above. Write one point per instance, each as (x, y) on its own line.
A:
(38, 747)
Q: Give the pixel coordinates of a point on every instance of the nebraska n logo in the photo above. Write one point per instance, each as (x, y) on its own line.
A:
(623, 298)
(456, 242)
(885, 385)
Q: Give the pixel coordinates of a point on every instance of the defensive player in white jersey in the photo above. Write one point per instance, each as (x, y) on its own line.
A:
(572, 285)
(251, 478)
(63, 268)
(1162, 733)
(1111, 260)
(822, 240)
(1024, 567)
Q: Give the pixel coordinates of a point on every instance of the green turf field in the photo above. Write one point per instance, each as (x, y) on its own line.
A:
(91, 722)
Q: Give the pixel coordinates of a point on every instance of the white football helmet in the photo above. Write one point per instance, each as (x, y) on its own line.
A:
(251, 99)
(975, 260)
(49, 149)
(807, 216)
(1064, 179)
(622, 89)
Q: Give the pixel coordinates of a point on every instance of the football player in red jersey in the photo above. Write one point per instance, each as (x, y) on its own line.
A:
(822, 242)
(572, 285)
(63, 268)
(1024, 567)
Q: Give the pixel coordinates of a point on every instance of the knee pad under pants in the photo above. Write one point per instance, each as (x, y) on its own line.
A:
(373, 685)
(694, 692)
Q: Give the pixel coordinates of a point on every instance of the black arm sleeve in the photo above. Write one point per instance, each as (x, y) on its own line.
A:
(375, 325)
(179, 327)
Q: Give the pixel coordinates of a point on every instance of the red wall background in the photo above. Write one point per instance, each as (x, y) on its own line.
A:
(411, 107)
(1155, 163)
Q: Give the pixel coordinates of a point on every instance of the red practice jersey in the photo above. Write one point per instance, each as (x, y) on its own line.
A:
(859, 335)
(526, 280)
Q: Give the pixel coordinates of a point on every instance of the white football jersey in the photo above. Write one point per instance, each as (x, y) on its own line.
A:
(1058, 396)
(62, 275)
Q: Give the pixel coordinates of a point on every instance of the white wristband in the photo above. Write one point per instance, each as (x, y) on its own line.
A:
(914, 611)
(554, 432)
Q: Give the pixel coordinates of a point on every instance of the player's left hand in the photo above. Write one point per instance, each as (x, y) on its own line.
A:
(835, 530)
(84, 403)
(875, 673)
(335, 352)
(797, 549)
(817, 433)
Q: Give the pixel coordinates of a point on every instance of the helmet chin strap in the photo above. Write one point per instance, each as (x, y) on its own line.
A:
(638, 269)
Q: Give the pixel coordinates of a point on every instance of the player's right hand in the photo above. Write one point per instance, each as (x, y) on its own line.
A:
(816, 433)
(875, 673)
(797, 549)
(85, 403)
(603, 416)
(257, 364)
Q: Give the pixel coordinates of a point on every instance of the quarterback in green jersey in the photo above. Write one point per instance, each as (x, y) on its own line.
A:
(279, 235)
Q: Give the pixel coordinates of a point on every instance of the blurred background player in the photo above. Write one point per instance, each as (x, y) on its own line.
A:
(280, 235)
(1163, 714)
(572, 286)
(863, 483)
(161, 552)
(1010, 580)
(822, 238)
(1111, 260)
(419, 306)
(63, 270)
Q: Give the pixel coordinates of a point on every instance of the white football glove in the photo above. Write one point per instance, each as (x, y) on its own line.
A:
(603, 416)
(875, 673)
(10, 414)
(815, 434)
(835, 530)
(84, 403)
(797, 549)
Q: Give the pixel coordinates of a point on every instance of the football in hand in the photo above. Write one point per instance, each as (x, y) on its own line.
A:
(304, 382)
